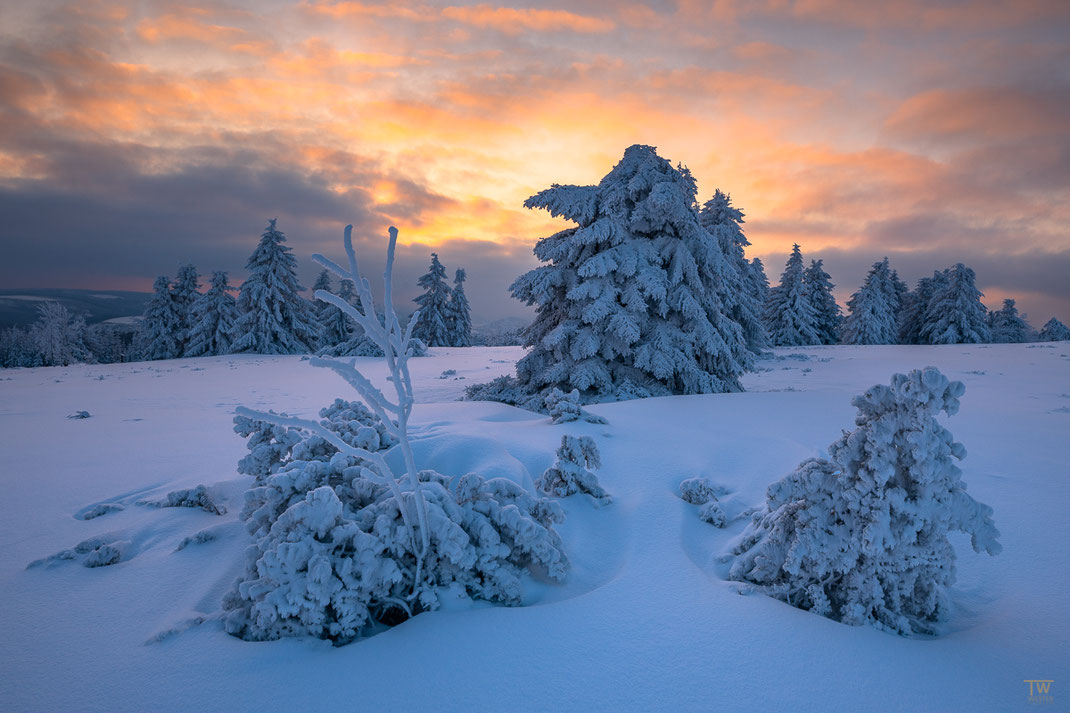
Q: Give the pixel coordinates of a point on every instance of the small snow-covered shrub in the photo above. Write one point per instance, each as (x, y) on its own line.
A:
(702, 492)
(198, 497)
(564, 407)
(861, 537)
(345, 545)
(571, 473)
(332, 567)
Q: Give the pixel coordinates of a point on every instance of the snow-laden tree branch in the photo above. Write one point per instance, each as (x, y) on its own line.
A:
(393, 341)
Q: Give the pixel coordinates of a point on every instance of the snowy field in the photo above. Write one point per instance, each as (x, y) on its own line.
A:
(646, 620)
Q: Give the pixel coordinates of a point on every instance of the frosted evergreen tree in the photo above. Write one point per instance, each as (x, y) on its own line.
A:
(627, 302)
(17, 349)
(105, 343)
(213, 316)
(273, 317)
(59, 335)
(337, 327)
(742, 299)
(184, 292)
(572, 472)
(433, 320)
(819, 290)
(1007, 326)
(158, 336)
(789, 313)
(862, 537)
(1054, 331)
(460, 314)
(873, 310)
(915, 305)
(955, 314)
(759, 284)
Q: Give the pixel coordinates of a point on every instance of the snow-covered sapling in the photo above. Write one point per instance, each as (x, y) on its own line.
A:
(701, 492)
(564, 407)
(571, 473)
(344, 542)
(862, 537)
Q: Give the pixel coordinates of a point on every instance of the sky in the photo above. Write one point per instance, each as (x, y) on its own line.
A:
(138, 136)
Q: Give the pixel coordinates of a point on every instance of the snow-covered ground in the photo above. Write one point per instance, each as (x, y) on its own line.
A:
(646, 621)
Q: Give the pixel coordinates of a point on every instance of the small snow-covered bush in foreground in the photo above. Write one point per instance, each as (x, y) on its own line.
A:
(862, 537)
(343, 544)
(564, 407)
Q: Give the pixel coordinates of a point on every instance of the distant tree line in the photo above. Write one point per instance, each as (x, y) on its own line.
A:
(943, 309)
(269, 316)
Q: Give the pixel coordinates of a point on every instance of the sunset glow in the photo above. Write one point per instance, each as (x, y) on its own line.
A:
(138, 135)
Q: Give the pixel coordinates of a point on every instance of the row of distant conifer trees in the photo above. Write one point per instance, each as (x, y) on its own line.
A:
(270, 316)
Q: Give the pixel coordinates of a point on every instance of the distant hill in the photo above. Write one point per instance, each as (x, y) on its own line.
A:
(19, 307)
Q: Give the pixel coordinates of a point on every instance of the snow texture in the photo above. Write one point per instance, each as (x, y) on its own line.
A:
(862, 537)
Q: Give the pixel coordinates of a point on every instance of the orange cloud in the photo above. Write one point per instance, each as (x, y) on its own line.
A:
(513, 21)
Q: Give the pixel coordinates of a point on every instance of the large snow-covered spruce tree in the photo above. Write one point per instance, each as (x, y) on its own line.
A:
(627, 300)
(212, 317)
(433, 320)
(873, 310)
(184, 292)
(862, 537)
(157, 336)
(460, 322)
(743, 299)
(273, 317)
(1054, 331)
(826, 310)
(1007, 326)
(955, 314)
(789, 313)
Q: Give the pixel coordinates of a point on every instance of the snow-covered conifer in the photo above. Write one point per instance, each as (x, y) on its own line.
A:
(272, 317)
(59, 335)
(862, 537)
(460, 315)
(433, 321)
(627, 302)
(1054, 331)
(1007, 326)
(157, 336)
(743, 300)
(955, 314)
(571, 472)
(789, 314)
(915, 305)
(184, 293)
(826, 310)
(17, 349)
(873, 310)
(212, 318)
(106, 343)
(564, 408)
